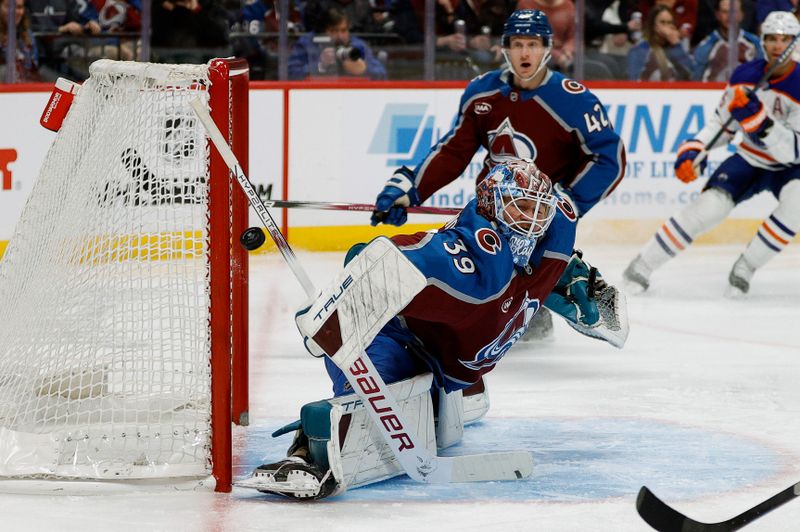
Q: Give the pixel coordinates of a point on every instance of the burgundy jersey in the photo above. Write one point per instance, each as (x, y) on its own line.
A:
(560, 125)
(477, 303)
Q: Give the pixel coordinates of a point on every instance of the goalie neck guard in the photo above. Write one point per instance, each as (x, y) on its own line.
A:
(519, 198)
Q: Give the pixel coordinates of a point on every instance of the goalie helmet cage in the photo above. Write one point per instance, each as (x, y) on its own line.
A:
(123, 296)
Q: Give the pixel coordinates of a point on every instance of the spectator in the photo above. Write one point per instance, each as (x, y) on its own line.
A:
(50, 18)
(262, 16)
(482, 26)
(27, 61)
(610, 30)
(112, 16)
(561, 14)
(183, 25)
(411, 29)
(360, 13)
(711, 55)
(684, 12)
(660, 56)
(334, 52)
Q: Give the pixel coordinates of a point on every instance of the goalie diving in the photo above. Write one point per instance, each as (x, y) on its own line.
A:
(412, 322)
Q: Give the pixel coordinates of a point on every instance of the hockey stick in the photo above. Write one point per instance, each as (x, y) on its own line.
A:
(764, 79)
(663, 518)
(361, 207)
(417, 461)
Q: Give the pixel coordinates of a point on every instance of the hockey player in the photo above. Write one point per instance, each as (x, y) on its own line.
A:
(768, 159)
(522, 110)
(486, 274)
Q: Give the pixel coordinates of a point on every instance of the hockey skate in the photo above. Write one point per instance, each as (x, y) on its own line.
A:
(636, 277)
(292, 477)
(739, 278)
(540, 327)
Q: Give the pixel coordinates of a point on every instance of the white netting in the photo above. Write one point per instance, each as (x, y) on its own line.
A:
(104, 320)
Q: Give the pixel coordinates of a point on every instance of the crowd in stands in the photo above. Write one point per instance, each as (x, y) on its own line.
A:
(648, 40)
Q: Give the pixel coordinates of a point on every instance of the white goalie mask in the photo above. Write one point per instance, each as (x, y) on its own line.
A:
(519, 198)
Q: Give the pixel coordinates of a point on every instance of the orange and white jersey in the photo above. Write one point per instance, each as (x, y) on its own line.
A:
(781, 100)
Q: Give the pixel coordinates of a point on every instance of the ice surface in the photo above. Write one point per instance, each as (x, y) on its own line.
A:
(702, 406)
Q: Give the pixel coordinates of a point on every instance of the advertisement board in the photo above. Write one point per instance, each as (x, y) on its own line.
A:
(341, 144)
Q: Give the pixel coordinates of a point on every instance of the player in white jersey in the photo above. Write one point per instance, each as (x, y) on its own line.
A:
(767, 159)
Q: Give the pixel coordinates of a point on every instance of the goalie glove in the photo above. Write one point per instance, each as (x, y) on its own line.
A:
(398, 193)
(573, 297)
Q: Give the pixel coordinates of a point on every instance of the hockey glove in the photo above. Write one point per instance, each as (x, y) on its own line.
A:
(748, 110)
(573, 296)
(684, 164)
(398, 193)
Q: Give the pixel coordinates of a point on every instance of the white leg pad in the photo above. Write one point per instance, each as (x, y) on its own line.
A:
(364, 457)
(377, 284)
(450, 421)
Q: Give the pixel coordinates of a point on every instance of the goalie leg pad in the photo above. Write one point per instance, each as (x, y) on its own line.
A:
(371, 289)
(345, 448)
(357, 452)
(476, 402)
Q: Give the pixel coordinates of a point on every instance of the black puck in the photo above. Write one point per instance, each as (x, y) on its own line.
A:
(252, 238)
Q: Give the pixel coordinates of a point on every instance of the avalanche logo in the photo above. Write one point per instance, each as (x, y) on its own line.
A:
(491, 354)
(488, 241)
(506, 144)
(404, 134)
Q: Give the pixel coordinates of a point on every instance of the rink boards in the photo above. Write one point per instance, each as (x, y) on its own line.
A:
(339, 142)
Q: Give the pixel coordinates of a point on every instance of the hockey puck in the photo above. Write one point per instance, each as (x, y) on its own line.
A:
(252, 238)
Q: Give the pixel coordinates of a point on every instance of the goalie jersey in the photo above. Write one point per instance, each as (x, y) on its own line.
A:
(476, 303)
(560, 125)
(780, 148)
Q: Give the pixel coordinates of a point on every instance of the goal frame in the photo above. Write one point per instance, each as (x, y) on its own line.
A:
(228, 218)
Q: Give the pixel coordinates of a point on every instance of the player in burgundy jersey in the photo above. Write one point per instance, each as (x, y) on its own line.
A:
(523, 110)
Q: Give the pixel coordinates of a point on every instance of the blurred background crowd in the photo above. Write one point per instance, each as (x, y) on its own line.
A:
(650, 40)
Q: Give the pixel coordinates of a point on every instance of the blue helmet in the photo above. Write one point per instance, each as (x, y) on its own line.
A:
(527, 23)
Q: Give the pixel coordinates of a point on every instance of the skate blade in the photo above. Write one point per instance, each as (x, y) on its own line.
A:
(298, 486)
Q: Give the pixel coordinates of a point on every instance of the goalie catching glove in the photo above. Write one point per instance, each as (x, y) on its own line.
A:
(589, 304)
(398, 193)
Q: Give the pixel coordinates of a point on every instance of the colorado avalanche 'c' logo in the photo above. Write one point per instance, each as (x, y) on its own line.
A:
(490, 354)
(505, 144)
(488, 241)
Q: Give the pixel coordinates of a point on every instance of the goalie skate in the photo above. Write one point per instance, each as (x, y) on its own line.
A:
(292, 477)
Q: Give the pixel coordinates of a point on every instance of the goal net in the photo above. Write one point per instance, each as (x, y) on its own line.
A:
(115, 289)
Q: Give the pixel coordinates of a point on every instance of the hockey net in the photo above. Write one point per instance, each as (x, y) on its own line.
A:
(120, 285)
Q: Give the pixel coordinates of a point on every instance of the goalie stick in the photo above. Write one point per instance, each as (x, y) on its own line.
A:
(764, 79)
(663, 518)
(417, 461)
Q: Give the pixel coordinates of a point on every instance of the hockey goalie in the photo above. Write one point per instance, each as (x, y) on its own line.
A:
(432, 312)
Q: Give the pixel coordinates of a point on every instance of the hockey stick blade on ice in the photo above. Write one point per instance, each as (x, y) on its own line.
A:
(764, 79)
(420, 464)
(664, 518)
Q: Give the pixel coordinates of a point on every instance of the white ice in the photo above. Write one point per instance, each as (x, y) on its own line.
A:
(701, 405)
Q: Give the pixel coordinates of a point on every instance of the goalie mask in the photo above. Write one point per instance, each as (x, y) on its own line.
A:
(519, 198)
